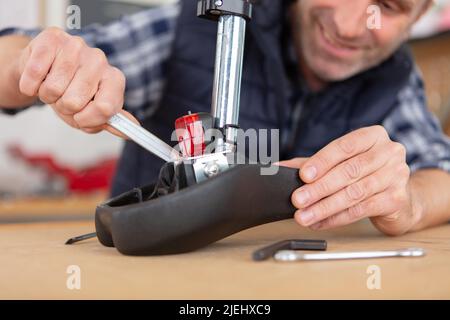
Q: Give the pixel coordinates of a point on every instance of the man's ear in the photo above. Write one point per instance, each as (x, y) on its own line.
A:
(425, 7)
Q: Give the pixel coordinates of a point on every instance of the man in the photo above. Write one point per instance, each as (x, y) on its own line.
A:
(347, 98)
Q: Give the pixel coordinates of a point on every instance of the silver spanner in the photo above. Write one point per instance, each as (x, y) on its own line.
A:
(144, 138)
(292, 255)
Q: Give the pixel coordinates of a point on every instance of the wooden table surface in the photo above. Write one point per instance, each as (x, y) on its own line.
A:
(63, 208)
(34, 262)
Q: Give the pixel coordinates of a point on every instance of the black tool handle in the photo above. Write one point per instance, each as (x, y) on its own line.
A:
(294, 244)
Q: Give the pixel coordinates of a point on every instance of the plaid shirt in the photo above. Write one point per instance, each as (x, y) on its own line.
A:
(140, 45)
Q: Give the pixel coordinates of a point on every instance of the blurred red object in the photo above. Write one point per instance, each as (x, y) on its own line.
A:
(90, 179)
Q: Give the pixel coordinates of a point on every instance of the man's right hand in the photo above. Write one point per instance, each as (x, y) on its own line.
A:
(76, 80)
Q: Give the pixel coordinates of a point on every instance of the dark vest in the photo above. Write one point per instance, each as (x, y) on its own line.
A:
(267, 96)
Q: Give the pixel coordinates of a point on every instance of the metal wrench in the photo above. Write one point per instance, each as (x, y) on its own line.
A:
(292, 255)
(144, 138)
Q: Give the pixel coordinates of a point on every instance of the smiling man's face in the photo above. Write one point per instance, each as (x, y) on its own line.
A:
(334, 41)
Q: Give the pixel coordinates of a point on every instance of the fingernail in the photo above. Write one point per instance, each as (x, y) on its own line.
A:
(302, 197)
(310, 172)
(306, 217)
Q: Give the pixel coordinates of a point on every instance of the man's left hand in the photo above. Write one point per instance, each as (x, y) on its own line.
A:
(362, 174)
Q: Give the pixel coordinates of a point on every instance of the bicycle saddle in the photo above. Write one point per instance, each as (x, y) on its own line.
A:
(172, 216)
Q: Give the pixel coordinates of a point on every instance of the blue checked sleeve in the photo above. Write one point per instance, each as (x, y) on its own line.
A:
(140, 46)
(414, 126)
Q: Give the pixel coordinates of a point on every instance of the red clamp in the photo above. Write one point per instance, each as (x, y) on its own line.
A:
(190, 131)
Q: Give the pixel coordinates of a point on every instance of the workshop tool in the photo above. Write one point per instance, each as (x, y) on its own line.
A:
(204, 195)
(144, 138)
(191, 131)
(232, 17)
(291, 255)
(81, 238)
(296, 244)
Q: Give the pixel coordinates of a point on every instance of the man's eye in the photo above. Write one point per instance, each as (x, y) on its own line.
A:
(390, 6)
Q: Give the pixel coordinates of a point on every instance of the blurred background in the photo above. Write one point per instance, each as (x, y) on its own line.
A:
(50, 170)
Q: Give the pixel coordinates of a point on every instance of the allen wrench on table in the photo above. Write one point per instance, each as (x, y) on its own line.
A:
(81, 238)
(291, 255)
(293, 244)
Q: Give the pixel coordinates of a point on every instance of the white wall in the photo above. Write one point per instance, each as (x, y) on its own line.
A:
(22, 12)
(431, 22)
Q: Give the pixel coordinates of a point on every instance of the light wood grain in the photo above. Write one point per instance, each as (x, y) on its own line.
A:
(50, 209)
(34, 260)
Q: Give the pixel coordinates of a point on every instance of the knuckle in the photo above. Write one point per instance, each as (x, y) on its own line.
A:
(70, 105)
(85, 90)
(329, 222)
(321, 161)
(360, 134)
(346, 145)
(54, 30)
(406, 171)
(85, 86)
(368, 159)
(106, 109)
(66, 68)
(399, 149)
(35, 71)
(119, 75)
(372, 185)
(380, 131)
(99, 56)
(53, 34)
(402, 172)
(355, 192)
(371, 206)
(352, 169)
(356, 212)
(51, 91)
(398, 198)
(78, 42)
(322, 210)
(320, 189)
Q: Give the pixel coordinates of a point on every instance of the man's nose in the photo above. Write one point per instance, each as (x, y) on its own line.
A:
(351, 18)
